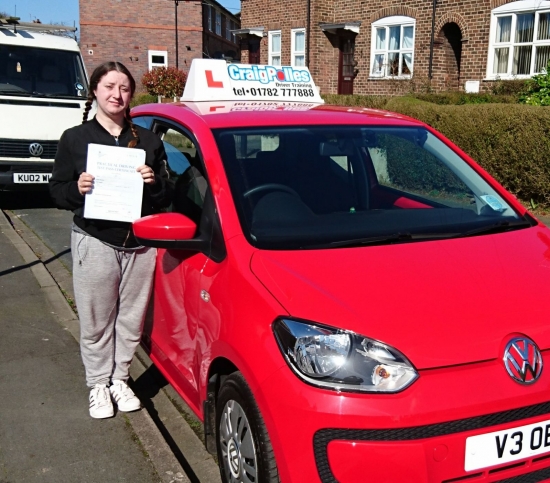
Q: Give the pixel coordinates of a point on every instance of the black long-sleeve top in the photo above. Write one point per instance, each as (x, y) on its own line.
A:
(70, 162)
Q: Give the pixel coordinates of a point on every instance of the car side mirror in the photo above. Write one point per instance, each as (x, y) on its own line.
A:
(167, 230)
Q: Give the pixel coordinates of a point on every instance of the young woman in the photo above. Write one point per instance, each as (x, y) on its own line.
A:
(112, 274)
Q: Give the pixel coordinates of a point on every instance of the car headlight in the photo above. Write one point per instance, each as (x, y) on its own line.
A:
(342, 360)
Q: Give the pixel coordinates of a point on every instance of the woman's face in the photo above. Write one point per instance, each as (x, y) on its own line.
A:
(113, 94)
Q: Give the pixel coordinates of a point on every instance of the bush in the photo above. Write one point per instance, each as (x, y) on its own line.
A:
(512, 87)
(374, 102)
(142, 99)
(512, 142)
(538, 89)
(164, 81)
(456, 98)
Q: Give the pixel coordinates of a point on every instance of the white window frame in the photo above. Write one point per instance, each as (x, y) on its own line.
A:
(151, 53)
(271, 53)
(514, 9)
(297, 53)
(386, 23)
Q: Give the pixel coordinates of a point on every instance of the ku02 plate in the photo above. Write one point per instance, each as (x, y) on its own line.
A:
(508, 445)
(31, 178)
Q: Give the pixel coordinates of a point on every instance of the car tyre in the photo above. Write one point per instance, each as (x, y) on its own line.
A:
(245, 453)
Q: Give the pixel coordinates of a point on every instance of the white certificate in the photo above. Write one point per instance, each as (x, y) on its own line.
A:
(118, 187)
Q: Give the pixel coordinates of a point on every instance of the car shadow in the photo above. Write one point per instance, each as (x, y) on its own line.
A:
(18, 200)
(146, 387)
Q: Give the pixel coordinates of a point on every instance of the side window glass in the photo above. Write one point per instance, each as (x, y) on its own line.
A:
(185, 170)
(143, 121)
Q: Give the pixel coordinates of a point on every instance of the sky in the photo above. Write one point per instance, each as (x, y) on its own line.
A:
(65, 11)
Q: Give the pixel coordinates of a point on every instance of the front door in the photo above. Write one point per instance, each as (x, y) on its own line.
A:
(346, 67)
(254, 50)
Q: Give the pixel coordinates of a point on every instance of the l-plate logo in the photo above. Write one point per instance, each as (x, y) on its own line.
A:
(523, 360)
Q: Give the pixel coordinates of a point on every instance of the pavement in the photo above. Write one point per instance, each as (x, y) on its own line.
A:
(46, 433)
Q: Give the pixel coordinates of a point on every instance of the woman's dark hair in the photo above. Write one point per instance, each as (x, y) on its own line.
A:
(97, 75)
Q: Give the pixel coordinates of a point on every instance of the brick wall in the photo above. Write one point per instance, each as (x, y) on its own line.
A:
(125, 30)
(471, 16)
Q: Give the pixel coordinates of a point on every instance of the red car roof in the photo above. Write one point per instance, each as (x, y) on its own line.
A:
(258, 116)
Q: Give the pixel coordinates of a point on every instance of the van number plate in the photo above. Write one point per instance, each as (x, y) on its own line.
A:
(30, 178)
(508, 445)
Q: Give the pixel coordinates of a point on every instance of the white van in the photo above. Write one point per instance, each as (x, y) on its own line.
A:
(43, 89)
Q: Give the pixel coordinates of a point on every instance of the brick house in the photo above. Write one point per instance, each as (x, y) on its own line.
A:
(392, 46)
(141, 33)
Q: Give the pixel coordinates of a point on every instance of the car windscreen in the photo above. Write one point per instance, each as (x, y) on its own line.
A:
(26, 71)
(331, 186)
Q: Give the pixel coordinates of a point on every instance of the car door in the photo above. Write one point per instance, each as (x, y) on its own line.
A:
(173, 328)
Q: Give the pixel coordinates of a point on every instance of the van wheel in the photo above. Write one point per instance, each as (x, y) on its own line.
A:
(245, 453)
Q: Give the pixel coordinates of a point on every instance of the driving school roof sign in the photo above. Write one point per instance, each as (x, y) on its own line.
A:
(215, 80)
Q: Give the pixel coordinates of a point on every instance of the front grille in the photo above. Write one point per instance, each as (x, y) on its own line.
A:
(15, 148)
(324, 436)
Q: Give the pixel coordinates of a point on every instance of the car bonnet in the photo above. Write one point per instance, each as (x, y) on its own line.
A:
(441, 303)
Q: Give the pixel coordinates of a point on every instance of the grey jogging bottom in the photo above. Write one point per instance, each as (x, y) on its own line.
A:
(112, 289)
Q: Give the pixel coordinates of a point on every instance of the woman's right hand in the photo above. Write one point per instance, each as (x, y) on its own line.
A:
(85, 183)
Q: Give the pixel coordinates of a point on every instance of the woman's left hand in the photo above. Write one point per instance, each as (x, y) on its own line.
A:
(147, 174)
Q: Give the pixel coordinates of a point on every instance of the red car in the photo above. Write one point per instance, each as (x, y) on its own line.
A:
(344, 295)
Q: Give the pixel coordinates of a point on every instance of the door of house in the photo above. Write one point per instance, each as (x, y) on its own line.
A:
(254, 51)
(346, 65)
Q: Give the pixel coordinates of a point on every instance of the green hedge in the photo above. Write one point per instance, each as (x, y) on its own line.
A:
(510, 141)
(143, 99)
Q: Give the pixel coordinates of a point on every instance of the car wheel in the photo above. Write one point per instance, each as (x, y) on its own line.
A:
(245, 453)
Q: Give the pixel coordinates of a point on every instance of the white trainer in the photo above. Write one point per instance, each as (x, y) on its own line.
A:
(124, 397)
(100, 402)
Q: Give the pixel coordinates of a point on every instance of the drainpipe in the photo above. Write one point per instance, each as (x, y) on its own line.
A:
(308, 22)
(430, 68)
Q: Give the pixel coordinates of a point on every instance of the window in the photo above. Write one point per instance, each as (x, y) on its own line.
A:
(298, 187)
(298, 47)
(185, 171)
(209, 17)
(274, 47)
(520, 39)
(228, 28)
(218, 22)
(158, 58)
(392, 49)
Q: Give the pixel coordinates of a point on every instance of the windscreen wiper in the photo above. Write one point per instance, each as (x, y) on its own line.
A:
(500, 227)
(13, 92)
(383, 240)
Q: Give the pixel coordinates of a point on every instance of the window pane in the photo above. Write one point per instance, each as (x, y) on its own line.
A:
(395, 37)
(276, 43)
(218, 23)
(504, 28)
(393, 63)
(380, 39)
(276, 60)
(524, 27)
(406, 68)
(299, 41)
(542, 57)
(500, 64)
(522, 60)
(378, 65)
(157, 59)
(299, 60)
(544, 26)
(408, 37)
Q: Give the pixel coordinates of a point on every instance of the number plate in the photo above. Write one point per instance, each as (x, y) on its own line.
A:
(30, 178)
(508, 445)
